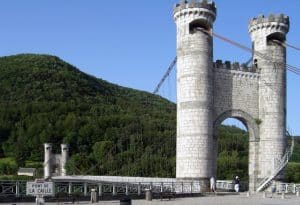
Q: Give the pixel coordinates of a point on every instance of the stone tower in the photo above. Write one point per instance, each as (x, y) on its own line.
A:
(47, 160)
(55, 164)
(64, 159)
(194, 89)
(210, 92)
(270, 58)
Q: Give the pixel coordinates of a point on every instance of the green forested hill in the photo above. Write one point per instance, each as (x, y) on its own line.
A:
(44, 99)
(111, 130)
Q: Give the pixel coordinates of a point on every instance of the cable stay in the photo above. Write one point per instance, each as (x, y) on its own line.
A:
(268, 58)
(290, 68)
(169, 70)
(286, 45)
(247, 63)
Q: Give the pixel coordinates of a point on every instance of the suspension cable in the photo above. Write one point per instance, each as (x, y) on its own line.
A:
(169, 70)
(286, 44)
(291, 68)
(268, 58)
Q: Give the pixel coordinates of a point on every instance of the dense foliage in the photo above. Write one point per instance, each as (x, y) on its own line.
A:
(111, 130)
(292, 173)
(233, 146)
(117, 130)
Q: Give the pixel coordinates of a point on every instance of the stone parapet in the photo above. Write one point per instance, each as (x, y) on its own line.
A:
(279, 22)
(237, 73)
(234, 66)
(195, 4)
(201, 11)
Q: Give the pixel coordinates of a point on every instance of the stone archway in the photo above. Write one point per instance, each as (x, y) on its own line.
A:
(209, 92)
(252, 127)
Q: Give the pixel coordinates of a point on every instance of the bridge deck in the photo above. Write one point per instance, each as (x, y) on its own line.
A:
(211, 200)
(115, 179)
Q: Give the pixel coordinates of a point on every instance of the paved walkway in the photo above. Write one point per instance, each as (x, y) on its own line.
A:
(226, 200)
(241, 199)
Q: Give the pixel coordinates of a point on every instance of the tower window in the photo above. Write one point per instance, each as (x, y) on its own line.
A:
(197, 25)
(275, 38)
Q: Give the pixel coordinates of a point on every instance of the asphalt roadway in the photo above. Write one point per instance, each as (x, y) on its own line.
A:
(241, 199)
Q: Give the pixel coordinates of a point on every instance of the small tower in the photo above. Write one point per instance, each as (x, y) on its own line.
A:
(194, 20)
(47, 160)
(64, 159)
(267, 34)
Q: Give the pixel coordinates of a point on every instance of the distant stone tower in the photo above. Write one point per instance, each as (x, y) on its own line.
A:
(55, 164)
(47, 160)
(194, 90)
(270, 59)
(64, 159)
(209, 92)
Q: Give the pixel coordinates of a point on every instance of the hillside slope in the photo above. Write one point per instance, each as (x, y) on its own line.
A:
(111, 130)
(44, 99)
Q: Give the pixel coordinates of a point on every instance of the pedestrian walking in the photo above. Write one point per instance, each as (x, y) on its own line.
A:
(237, 184)
(212, 184)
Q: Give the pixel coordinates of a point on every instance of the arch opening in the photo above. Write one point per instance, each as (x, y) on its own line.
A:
(240, 151)
(198, 25)
(232, 150)
(275, 38)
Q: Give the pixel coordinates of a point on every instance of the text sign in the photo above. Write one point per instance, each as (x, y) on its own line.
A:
(39, 188)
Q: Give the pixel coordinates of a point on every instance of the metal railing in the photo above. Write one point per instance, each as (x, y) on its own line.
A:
(288, 188)
(280, 165)
(228, 185)
(18, 188)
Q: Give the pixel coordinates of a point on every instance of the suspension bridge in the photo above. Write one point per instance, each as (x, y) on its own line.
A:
(193, 171)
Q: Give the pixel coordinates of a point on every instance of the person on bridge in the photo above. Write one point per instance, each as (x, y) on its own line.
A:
(213, 184)
(273, 189)
(236, 184)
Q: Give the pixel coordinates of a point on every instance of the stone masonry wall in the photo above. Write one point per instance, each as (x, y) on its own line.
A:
(235, 89)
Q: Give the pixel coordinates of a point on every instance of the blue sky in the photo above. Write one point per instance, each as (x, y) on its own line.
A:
(132, 42)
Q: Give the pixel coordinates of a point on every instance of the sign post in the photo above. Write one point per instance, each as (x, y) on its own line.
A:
(39, 188)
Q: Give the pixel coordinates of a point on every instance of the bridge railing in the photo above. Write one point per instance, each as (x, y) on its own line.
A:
(288, 188)
(224, 185)
(18, 188)
(228, 185)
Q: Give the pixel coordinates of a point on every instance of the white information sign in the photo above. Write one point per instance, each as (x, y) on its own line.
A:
(39, 188)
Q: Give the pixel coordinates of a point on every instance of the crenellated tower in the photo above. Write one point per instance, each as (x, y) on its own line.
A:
(63, 159)
(268, 34)
(55, 164)
(47, 160)
(194, 89)
(210, 92)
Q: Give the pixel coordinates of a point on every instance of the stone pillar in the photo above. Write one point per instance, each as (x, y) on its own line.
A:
(85, 189)
(47, 160)
(17, 188)
(100, 193)
(114, 190)
(194, 158)
(70, 188)
(139, 189)
(64, 159)
(270, 57)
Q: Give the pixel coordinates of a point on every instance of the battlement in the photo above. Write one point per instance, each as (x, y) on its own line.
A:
(281, 18)
(234, 66)
(185, 4)
(279, 22)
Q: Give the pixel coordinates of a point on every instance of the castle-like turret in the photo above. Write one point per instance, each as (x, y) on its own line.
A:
(47, 160)
(267, 34)
(64, 159)
(194, 89)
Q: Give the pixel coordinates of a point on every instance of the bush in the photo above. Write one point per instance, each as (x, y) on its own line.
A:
(292, 173)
